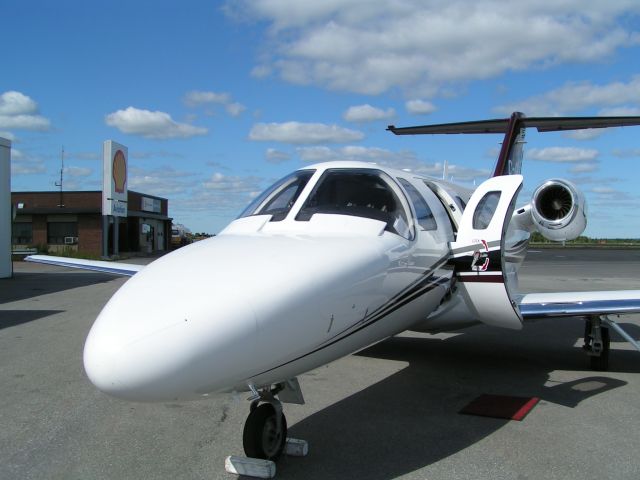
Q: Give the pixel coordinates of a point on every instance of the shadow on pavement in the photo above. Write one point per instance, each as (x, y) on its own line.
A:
(28, 285)
(11, 318)
(410, 419)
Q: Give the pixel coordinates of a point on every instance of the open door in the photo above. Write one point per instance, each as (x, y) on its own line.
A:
(478, 252)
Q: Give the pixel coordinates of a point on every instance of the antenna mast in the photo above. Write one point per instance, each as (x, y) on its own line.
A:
(59, 184)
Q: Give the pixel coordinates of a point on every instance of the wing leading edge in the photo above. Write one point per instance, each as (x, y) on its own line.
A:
(115, 268)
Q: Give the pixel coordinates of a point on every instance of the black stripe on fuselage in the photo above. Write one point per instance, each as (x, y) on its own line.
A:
(428, 282)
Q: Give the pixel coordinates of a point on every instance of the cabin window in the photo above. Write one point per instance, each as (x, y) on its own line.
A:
(423, 213)
(278, 199)
(485, 210)
(361, 193)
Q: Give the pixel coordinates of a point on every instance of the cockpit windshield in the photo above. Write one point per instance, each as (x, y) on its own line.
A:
(278, 199)
(362, 193)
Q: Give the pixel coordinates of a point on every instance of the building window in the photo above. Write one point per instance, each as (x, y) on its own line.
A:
(61, 233)
(22, 234)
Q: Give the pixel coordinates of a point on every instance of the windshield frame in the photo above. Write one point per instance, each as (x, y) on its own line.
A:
(262, 201)
(394, 187)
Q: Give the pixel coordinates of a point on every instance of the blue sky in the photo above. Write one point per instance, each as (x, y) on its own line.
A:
(215, 100)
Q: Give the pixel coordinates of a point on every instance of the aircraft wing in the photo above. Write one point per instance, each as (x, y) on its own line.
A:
(579, 304)
(115, 268)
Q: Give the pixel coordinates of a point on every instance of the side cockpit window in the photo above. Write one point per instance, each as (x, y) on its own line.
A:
(424, 214)
(278, 199)
(361, 193)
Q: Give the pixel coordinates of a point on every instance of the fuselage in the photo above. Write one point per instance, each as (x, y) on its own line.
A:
(328, 261)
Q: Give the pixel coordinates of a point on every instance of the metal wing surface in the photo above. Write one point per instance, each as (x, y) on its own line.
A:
(579, 304)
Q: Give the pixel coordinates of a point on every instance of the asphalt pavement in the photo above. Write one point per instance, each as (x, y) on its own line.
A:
(390, 411)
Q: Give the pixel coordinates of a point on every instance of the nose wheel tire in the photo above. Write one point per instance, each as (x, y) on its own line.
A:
(264, 435)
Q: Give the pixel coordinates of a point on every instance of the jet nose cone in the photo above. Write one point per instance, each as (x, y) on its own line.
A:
(99, 366)
(162, 338)
(108, 362)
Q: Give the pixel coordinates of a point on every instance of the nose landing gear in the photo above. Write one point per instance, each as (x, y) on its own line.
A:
(265, 431)
(264, 437)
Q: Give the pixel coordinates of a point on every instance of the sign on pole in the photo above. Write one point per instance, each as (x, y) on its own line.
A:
(114, 179)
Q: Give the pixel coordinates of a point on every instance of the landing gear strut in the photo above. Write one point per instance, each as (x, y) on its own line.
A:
(596, 343)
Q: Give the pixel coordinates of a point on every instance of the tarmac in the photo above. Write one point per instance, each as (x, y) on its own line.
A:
(390, 411)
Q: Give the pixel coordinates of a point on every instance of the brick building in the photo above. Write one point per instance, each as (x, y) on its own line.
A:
(73, 221)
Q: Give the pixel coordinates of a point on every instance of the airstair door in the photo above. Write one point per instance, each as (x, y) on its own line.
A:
(478, 252)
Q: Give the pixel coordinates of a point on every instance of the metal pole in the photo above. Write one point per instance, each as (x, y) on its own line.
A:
(116, 236)
(6, 267)
(105, 236)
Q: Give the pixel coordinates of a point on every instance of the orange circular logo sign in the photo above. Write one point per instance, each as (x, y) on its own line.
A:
(119, 171)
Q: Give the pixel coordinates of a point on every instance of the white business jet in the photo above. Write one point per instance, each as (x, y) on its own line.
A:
(329, 260)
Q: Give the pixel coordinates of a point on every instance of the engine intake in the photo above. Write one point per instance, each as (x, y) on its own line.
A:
(558, 210)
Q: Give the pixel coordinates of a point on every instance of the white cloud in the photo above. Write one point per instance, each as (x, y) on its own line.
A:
(232, 183)
(21, 112)
(78, 172)
(84, 155)
(372, 46)
(25, 164)
(8, 135)
(16, 103)
(629, 153)
(235, 109)
(622, 111)
(277, 156)
(155, 154)
(197, 98)
(162, 181)
(398, 160)
(562, 154)
(27, 169)
(577, 96)
(586, 134)
(261, 71)
(352, 153)
(157, 125)
(604, 190)
(367, 113)
(420, 107)
(220, 196)
(303, 133)
(586, 167)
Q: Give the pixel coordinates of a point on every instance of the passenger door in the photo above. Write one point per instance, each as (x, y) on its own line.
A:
(478, 252)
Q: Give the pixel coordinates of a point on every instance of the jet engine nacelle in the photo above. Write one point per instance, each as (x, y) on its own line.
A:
(558, 210)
